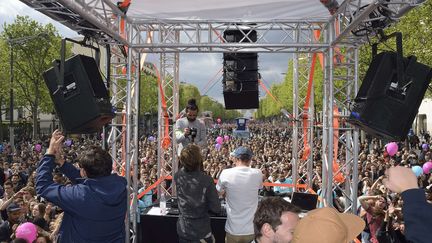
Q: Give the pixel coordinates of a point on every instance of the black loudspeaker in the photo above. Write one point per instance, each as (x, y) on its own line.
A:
(83, 104)
(384, 107)
(240, 73)
(241, 100)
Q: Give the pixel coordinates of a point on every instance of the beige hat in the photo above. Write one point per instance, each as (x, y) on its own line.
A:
(326, 225)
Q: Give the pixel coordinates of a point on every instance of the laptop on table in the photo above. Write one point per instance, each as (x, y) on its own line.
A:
(305, 201)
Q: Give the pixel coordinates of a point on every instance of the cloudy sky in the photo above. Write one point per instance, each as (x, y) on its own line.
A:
(197, 69)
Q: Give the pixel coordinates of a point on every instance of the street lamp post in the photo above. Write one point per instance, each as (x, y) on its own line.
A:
(11, 101)
(12, 42)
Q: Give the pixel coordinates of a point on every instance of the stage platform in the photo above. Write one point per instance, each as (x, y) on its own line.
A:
(162, 228)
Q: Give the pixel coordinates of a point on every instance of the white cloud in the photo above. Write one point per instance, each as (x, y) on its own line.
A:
(199, 69)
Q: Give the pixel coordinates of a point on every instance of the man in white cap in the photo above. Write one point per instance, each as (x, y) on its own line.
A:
(240, 186)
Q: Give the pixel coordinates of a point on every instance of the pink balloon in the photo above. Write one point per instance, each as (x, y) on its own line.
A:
(219, 140)
(27, 231)
(427, 167)
(392, 148)
(226, 138)
(38, 147)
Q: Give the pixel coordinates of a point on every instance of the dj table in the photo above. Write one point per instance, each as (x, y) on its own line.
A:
(163, 229)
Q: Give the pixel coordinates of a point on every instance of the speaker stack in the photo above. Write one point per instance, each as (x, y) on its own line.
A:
(240, 73)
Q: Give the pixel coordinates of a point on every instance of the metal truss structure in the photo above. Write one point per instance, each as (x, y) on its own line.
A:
(346, 29)
(303, 119)
(340, 141)
(123, 131)
(167, 157)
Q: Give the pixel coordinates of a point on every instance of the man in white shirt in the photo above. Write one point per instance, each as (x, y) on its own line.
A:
(240, 185)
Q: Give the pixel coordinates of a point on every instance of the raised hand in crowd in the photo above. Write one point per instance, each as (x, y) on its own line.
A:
(55, 147)
(417, 212)
(399, 179)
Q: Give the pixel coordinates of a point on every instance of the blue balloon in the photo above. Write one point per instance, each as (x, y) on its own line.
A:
(418, 171)
(68, 142)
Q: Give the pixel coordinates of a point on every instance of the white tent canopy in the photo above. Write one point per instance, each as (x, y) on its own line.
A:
(227, 10)
(101, 19)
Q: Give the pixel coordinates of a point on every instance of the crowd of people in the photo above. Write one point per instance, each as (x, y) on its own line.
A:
(26, 199)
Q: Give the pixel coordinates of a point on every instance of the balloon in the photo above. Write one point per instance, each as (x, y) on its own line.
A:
(218, 146)
(68, 142)
(38, 147)
(418, 171)
(392, 148)
(27, 231)
(427, 167)
(218, 120)
(219, 140)
(151, 138)
(226, 138)
(425, 146)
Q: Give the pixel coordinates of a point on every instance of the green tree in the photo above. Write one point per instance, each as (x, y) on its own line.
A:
(148, 94)
(283, 92)
(4, 82)
(217, 109)
(186, 92)
(35, 47)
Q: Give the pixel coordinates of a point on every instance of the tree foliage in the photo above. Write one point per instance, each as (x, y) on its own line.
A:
(148, 94)
(186, 92)
(149, 99)
(283, 92)
(35, 46)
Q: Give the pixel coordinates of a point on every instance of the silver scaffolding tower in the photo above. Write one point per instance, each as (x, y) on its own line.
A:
(102, 20)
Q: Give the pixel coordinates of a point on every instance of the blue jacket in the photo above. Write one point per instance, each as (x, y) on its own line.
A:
(417, 214)
(94, 209)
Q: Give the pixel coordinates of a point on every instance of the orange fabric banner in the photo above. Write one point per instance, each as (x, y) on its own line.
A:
(338, 56)
(303, 186)
(307, 149)
(166, 140)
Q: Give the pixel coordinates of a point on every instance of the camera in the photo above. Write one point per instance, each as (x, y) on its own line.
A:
(193, 132)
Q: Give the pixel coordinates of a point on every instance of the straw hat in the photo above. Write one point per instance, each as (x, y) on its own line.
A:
(326, 225)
